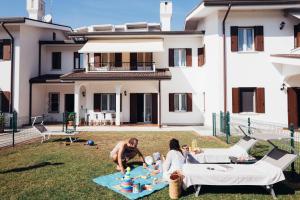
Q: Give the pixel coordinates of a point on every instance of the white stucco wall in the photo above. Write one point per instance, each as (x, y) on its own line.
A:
(40, 99)
(67, 58)
(255, 69)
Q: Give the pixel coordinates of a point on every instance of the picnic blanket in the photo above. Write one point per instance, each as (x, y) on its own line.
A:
(139, 174)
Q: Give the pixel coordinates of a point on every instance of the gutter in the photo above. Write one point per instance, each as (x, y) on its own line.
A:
(12, 63)
(225, 57)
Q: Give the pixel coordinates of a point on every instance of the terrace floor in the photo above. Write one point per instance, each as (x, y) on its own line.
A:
(53, 170)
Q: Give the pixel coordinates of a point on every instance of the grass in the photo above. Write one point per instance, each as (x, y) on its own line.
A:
(55, 171)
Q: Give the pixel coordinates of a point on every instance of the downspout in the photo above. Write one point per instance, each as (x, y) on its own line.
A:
(225, 58)
(12, 77)
(159, 93)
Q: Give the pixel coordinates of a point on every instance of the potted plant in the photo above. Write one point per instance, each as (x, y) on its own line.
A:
(2, 123)
(71, 119)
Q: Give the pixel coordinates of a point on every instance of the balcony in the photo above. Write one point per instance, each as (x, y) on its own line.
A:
(121, 67)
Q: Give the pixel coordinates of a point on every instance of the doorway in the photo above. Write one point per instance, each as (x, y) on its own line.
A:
(69, 102)
(294, 106)
(143, 108)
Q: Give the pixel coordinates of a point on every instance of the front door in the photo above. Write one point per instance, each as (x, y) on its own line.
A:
(69, 103)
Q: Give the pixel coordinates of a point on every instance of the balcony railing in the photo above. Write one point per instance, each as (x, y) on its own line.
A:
(121, 66)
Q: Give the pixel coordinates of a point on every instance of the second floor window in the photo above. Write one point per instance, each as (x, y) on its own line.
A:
(179, 57)
(5, 50)
(246, 39)
(78, 60)
(56, 60)
(180, 102)
(53, 103)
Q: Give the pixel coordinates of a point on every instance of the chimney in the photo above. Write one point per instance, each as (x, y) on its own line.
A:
(36, 9)
(166, 8)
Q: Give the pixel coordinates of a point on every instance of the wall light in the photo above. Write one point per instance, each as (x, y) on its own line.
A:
(282, 25)
(83, 93)
(283, 86)
(125, 93)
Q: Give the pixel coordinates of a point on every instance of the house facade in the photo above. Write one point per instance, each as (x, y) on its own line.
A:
(146, 73)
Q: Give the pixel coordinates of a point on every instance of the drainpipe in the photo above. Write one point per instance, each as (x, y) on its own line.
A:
(12, 66)
(225, 58)
(159, 93)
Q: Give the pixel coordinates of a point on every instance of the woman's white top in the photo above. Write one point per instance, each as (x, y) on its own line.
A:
(174, 161)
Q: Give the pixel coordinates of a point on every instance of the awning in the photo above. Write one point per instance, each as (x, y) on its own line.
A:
(125, 45)
(295, 14)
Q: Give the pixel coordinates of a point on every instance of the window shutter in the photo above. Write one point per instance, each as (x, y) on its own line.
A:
(171, 57)
(171, 102)
(188, 57)
(56, 60)
(297, 35)
(234, 38)
(6, 49)
(189, 102)
(97, 60)
(201, 56)
(259, 38)
(235, 100)
(76, 56)
(260, 100)
(97, 102)
(5, 101)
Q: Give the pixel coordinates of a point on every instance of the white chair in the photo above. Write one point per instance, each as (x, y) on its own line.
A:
(102, 119)
(110, 117)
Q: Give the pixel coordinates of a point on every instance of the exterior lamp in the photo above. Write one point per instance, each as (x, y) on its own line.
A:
(83, 93)
(282, 25)
(125, 93)
(283, 87)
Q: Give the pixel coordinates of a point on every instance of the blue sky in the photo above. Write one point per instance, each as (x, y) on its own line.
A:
(78, 13)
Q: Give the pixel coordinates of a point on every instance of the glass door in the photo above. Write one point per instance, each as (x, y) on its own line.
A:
(148, 108)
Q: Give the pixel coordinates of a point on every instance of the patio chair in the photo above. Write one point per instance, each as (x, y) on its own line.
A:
(266, 172)
(110, 117)
(47, 134)
(221, 155)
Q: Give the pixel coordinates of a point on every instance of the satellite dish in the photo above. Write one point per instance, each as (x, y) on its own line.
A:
(47, 18)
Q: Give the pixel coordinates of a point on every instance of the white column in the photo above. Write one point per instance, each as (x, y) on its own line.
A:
(76, 102)
(118, 105)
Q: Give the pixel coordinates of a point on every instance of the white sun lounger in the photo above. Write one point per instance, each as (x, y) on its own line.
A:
(221, 155)
(266, 172)
(47, 134)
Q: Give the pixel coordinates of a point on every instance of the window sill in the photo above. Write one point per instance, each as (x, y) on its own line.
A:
(249, 113)
(53, 112)
(249, 52)
(180, 111)
(55, 70)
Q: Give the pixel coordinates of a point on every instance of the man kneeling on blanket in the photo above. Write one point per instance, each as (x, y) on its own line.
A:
(125, 151)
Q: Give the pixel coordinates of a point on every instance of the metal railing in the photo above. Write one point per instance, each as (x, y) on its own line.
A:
(121, 66)
(228, 128)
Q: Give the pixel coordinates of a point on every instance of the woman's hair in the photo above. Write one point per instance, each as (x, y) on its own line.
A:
(174, 145)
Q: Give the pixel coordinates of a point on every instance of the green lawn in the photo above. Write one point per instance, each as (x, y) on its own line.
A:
(55, 171)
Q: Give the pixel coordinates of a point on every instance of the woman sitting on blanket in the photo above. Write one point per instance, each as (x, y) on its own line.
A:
(174, 159)
(125, 151)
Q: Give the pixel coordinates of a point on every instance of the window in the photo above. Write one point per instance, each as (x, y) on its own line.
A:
(246, 39)
(180, 102)
(108, 102)
(53, 103)
(5, 49)
(78, 60)
(4, 101)
(179, 57)
(54, 36)
(247, 99)
(56, 60)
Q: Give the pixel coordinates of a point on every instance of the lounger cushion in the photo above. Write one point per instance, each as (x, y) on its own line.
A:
(220, 155)
(280, 158)
(260, 173)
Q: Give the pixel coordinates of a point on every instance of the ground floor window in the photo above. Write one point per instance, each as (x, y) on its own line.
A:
(53, 103)
(4, 101)
(108, 102)
(180, 102)
(247, 102)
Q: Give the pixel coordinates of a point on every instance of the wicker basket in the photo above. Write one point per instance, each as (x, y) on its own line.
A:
(175, 185)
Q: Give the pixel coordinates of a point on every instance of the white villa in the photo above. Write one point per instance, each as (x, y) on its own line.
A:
(241, 56)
